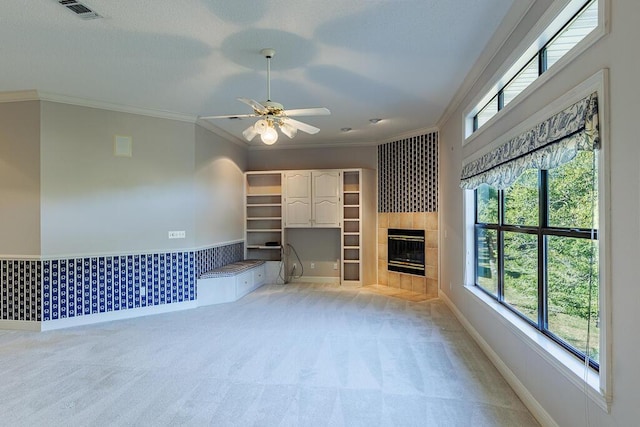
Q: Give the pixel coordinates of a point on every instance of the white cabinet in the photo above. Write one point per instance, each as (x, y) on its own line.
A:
(312, 198)
(326, 198)
(297, 199)
(217, 290)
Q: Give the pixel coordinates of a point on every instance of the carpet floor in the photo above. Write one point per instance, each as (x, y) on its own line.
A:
(284, 355)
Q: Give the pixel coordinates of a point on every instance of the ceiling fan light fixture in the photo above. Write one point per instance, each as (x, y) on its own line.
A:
(271, 113)
(269, 136)
(249, 133)
(261, 126)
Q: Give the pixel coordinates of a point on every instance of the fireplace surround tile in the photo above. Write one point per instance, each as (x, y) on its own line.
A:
(405, 282)
(427, 221)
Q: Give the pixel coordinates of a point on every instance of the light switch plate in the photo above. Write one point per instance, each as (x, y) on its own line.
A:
(177, 234)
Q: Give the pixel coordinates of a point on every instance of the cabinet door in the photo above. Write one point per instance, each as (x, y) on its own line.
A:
(326, 199)
(298, 199)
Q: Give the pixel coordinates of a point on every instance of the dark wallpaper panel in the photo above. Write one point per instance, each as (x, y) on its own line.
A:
(61, 288)
(408, 175)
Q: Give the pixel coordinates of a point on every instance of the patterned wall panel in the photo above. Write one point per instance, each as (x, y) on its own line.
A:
(20, 290)
(63, 288)
(84, 286)
(408, 175)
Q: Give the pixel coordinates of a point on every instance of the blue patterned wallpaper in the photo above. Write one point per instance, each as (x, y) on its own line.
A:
(83, 286)
(408, 175)
(64, 288)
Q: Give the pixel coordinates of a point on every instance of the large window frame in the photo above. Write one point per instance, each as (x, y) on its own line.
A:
(597, 385)
(542, 231)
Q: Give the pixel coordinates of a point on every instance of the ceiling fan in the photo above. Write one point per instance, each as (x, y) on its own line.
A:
(273, 113)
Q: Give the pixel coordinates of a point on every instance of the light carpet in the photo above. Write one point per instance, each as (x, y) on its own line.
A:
(284, 355)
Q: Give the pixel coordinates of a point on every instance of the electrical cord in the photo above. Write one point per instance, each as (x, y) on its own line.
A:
(286, 253)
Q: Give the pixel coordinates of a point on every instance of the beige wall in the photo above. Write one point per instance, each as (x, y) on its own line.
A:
(559, 397)
(180, 177)
(20, 179)
(314, 158)
(320, 246)
(95, 202)
(218, 206)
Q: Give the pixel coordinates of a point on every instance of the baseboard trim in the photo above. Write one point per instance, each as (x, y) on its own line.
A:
(527, 398)
(316, 279)
(91, 319)
(20, 325)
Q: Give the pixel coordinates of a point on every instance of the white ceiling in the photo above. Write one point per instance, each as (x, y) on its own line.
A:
(398, 60)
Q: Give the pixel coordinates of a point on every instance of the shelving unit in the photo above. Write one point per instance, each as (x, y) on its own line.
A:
(351, 230)
(263, 216)
(270, 217)
(359, 228)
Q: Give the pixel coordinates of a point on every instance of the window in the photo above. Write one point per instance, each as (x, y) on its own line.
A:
(573, 31)
(537, 251)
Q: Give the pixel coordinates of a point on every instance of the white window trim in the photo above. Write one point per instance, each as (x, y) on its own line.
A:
(558, 14)
(598, 384)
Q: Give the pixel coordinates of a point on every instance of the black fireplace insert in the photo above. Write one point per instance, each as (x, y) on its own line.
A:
(405, 250)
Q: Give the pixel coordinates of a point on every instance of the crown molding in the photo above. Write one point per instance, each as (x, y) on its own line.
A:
(221, 133)
(83, 102)
(19, 96)
(37, 95)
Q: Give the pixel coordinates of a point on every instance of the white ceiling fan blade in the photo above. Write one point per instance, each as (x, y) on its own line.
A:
(288, 130)
(228, 116)
(302, 126)
(259, 108)
(318, 111)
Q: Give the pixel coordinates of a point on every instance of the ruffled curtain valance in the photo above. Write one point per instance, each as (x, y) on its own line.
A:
(547, 145)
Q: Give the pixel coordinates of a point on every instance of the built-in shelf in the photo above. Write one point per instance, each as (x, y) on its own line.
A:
(263, 221)
(351, 230)
(264, 218)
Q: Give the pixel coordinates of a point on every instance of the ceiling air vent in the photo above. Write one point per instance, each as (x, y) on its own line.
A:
(79, 9)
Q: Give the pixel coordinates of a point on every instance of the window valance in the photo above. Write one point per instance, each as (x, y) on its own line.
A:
(549, 144)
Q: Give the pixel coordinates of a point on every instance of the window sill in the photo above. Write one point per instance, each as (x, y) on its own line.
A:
(564, 362)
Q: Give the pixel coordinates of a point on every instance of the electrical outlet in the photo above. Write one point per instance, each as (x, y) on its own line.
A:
(335, 265)
(177, 234)
(295, 265)
(313, 265)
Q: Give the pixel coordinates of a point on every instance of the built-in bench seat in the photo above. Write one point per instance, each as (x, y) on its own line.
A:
(230, 282)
